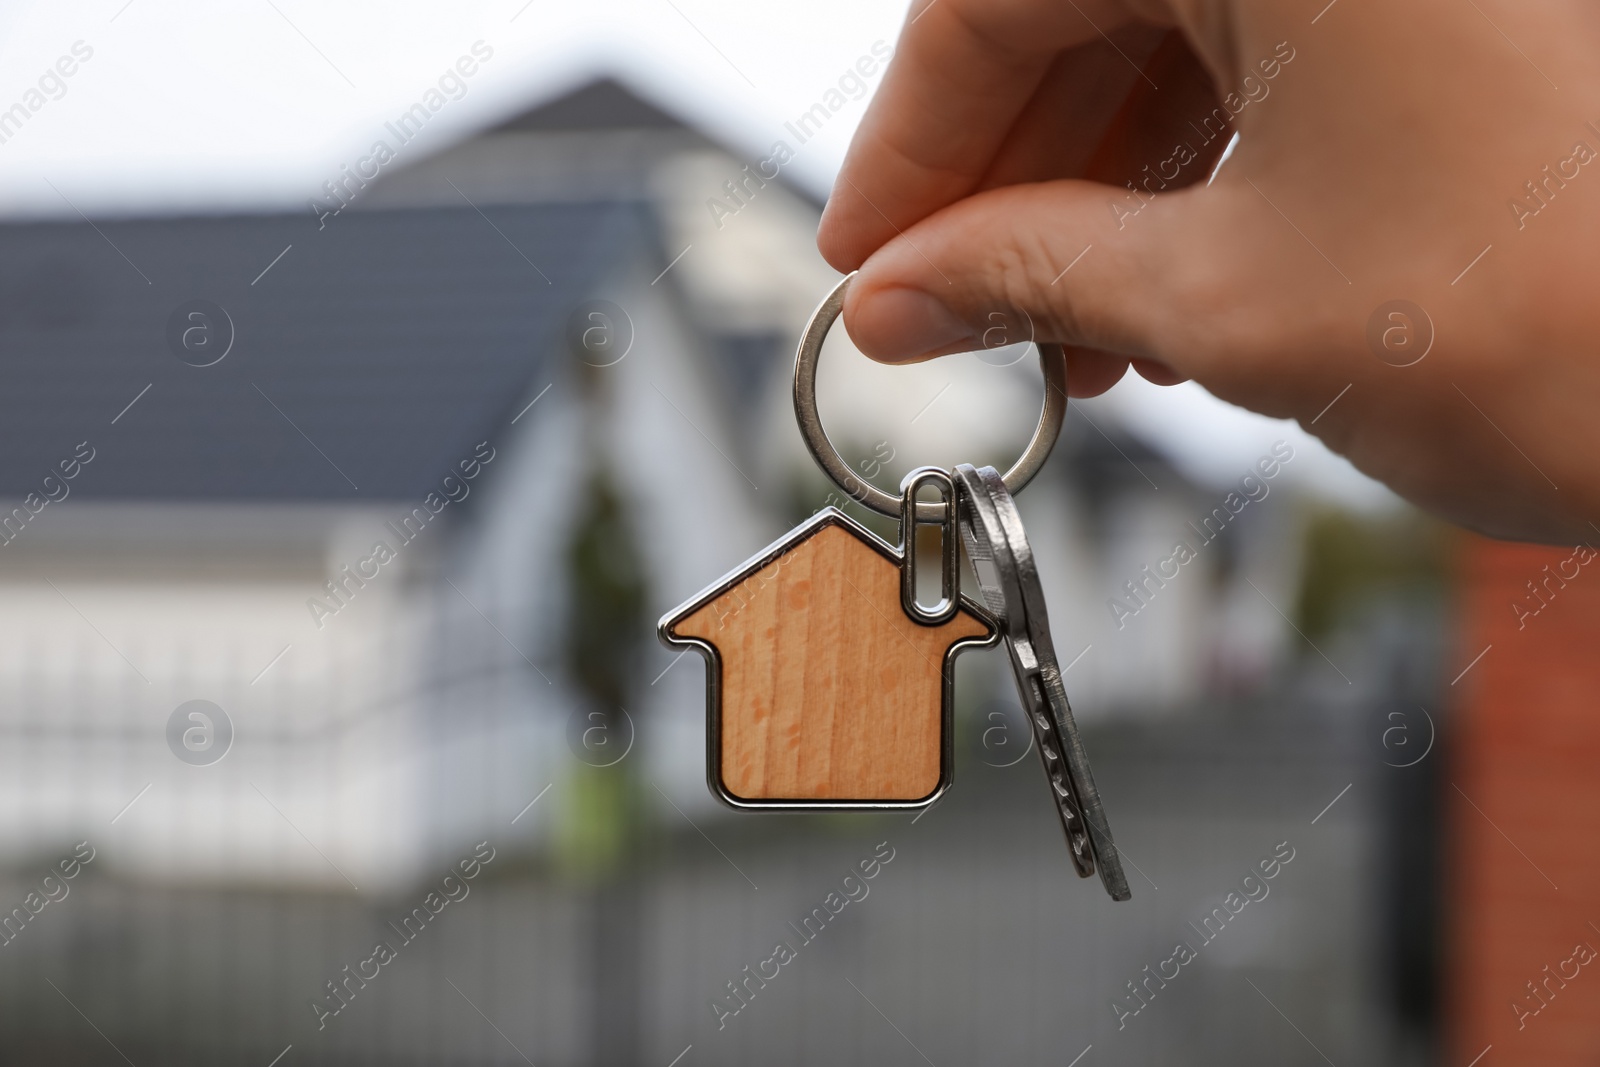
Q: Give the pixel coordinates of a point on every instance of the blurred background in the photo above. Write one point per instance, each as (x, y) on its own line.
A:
(372, 384)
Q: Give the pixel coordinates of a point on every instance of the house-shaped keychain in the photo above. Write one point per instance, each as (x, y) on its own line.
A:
(824, 690)
(829, 681)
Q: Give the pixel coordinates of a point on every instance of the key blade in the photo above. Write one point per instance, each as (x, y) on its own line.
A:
(1057, 771)
(990, 521)
(1108, 858)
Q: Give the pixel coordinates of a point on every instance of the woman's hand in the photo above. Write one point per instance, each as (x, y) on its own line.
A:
(1040, 167)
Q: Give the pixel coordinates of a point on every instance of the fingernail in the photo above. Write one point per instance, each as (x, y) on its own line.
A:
(894, 325)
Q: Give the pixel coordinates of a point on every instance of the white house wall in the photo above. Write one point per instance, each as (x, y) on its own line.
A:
(104, 651)
(701, 504)
(695, 518)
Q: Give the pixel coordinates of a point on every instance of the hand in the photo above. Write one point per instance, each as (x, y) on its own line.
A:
(1382, 149)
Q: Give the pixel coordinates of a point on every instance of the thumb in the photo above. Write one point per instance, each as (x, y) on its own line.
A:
(1086, 265)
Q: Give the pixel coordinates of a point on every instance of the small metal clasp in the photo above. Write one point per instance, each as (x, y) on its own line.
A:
(949, 572)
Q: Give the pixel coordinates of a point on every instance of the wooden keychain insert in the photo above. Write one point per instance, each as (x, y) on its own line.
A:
(830, 686)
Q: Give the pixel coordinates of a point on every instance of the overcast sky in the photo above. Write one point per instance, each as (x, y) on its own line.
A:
(215, 105)
(209, 104)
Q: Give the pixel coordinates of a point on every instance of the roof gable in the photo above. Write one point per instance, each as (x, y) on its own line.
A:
(601, 104)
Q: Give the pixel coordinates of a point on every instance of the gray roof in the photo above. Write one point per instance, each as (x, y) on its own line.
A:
(390, 342)
(602, 104)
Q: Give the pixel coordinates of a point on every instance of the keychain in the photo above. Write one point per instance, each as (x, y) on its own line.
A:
(830, 686)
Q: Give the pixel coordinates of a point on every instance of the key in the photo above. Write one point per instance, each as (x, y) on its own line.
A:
(997, 545)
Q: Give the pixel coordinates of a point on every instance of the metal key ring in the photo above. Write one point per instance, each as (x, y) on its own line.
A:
(1052, 361)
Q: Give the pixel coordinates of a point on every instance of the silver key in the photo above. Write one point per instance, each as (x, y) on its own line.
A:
(991, 529)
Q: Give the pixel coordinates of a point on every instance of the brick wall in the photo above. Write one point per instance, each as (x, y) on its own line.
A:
(1523, 811)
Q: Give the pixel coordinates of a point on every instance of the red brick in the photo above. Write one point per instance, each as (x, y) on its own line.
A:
(1526, 750)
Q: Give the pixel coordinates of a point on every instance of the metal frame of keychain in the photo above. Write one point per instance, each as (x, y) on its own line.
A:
(951, 601)
(978, 503)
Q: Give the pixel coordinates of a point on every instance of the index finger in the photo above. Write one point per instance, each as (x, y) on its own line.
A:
(963, 73)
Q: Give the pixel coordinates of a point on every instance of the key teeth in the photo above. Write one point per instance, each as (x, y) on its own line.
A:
(991, 531)
(1079, 841)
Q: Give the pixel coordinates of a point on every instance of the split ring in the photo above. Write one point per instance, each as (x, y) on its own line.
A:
(1052, 361)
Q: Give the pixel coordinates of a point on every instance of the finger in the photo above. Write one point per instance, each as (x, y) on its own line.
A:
(1073, 130)
(1157, 373)
(1090, 373)
(964, 70)
(1062, 126)
(1157, 115)
(1059, 255)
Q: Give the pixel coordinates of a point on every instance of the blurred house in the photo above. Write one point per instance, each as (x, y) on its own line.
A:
(542, 368)
(345, 363)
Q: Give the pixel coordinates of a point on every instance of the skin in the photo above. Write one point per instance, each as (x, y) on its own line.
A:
(1374, 165)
